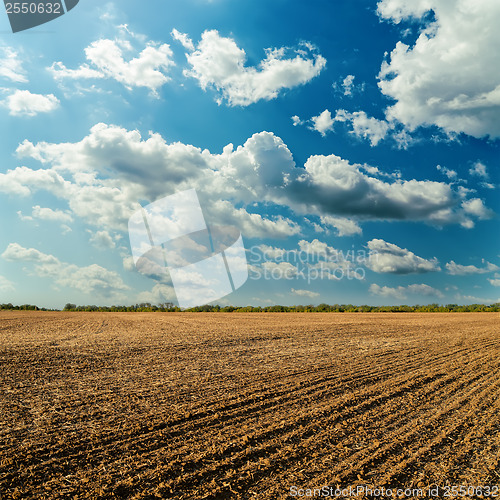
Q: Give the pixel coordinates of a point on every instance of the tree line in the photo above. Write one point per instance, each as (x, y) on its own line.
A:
(171, 307)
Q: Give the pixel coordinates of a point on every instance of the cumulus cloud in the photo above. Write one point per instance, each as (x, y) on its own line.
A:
(364, 126)
(103, 176)
(476, 207)
(145, 70)
(84, 72)
(272, 252)
(49, 214)
(435, 81)
(15, 252)
(151, 168)
(401, 292)
(348, 84)
(93, 279)
(323, 123)
(102, 239)
(305, 293)
(386, 257)
(219, 63)
(311, 258)
(479, 169)
(24, 103)
(385, 291)
(460, 270)
(329, 262)
(23, 181)
(186, 42)
(333, 186)
(11, 66)
(423, 289)
(297, 121)
(6, 285)
(344, 227)
(280, 270)
(115, 59)
(472, 299)
(451, 174)
(495, 281)
(317, 248)
(159, 294)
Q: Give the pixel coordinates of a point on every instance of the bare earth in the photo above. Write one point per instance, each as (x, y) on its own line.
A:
(169, 405)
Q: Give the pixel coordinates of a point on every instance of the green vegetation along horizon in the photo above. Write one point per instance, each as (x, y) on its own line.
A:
(350, 308)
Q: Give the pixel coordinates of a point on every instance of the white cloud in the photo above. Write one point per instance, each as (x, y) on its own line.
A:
(461, 270)
(218, 62)
(305, 293)
(328, 262)
(423, 289)
(297, 121)
(476, 207)
(385, 291)
(115, 59)
(280, 270)
(102, 239)
(6, 285)
(389, 258)
(23, 181)
(24, 217)
(451, 174)
(149, 169)
(159, 294)
(348, 84)
(104, 175)
(316, 247)
(344, 227)
(364, 126)
(323, 123)
(479, 169)
(186, 42)
(250, 224)
(11, 66)
(60, 72)
(471, 299)
(401, 292)
(15, 252)
(435, 82)
(24, 103)
(272, 252)
(496, 280)
(50, 214)
(333, 186)
(92, 279)
(145, 70)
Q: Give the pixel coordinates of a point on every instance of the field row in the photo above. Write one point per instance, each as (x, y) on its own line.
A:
(212, 406)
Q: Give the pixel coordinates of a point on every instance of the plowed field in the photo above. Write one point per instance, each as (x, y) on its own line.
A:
(250, 406)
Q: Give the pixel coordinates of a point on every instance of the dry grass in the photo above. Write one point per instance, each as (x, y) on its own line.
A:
(150, 405)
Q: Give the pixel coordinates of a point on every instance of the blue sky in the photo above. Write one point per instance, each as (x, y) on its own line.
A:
(353, 144)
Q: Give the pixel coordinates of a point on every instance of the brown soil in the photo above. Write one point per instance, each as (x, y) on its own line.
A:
(199, 406)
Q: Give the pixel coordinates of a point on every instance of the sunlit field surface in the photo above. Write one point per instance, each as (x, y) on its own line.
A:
(242, 405)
